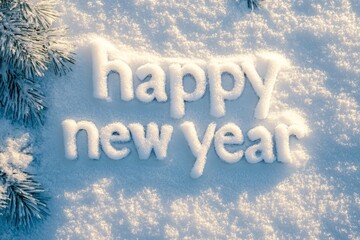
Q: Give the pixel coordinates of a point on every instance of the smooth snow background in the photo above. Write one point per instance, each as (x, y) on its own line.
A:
(134, 198)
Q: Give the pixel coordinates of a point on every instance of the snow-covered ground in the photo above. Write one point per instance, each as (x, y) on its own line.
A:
(152, 199)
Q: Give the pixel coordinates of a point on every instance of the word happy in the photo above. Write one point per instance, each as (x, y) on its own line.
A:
(153, 74)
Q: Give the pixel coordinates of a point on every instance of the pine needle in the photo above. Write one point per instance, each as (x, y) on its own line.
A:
(29, 46)
(25, 199)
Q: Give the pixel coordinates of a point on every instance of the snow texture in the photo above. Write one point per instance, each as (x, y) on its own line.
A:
(150, 139)
(230, 133)
(198, 148)
(264, 88)
(179, 70)
(317, 90)
(114, 132)
(264, 149)
(218, 93)
(102, 67)
(156, 83)
(282, 135)
(16, 153)
(71, 129)
(178, 94)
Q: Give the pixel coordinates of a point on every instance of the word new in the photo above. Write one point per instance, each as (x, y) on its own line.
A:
(157, 140)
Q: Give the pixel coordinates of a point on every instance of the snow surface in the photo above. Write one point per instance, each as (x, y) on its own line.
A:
(107, 136)
(316, 197)
(230, 133)
(265, 146)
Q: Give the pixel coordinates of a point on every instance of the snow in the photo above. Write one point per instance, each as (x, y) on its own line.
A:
(16, 153)
(102, 67)
(198, 148)
(217, 92)
(71, 129)
(157, 83)
(151, 139)
(264, 149)
(310, 107)
(114, 132)
(181, 69)
(282, 135)
(230, 133)
(264, 88)
(178, 94)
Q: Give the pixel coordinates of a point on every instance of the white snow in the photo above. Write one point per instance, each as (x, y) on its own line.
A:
(217, 93)
(15, 158)
(282, 136)
(114, 132)
(181, 69)
(230, 133)
(150, 139)
(295, 206)
(156, 84)
(178, 94)
(70, 130)
(262, 150)
(264, 88)
(102, 67)
(198, 148)
(16, 153)
(315, 89)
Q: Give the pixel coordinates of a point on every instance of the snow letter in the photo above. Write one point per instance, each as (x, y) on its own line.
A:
(264, 149)
(107, 136)
(145, 142)
(222, 138)
(282, 135)
(156, 84)
(217, 93)
(102, 67)
(262, 88)
(198, 149)
(71, 128)
(177, 92)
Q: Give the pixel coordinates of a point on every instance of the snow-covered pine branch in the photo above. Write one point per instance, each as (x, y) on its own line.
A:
(25, 201)
(3, 198)
(59, 56)
(22, 99)
(22, 199)
(251, 4)
(29, 46)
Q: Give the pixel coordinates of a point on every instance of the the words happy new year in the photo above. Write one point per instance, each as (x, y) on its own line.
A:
(157, 73)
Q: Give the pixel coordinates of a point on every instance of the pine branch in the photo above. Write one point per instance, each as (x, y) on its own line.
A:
(26, 202)
(46, 13)
(58, 52)
(3, 199)
(21, 45)
(253, 4)
(41, 15)
(27, 40)
(28, 47)
(21, 98)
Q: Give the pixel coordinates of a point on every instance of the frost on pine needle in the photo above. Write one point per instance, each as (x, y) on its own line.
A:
(26, 202)
(58, 52)
(252, 4)
(2, 199)
(16, 153)
(29, 46)
(22, 99)
(22, 199)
